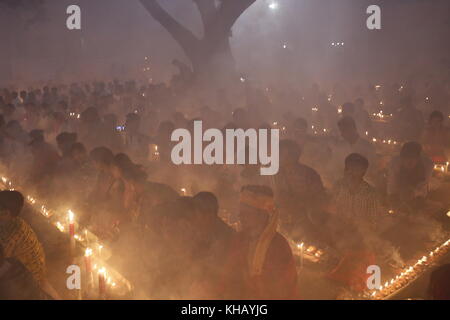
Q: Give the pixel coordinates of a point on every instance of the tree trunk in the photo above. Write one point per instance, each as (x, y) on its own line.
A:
(211, 57)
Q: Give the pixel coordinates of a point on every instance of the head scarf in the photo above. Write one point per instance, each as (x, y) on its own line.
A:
(266, 204)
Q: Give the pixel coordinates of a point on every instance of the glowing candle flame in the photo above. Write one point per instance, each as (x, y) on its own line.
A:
(71, 216)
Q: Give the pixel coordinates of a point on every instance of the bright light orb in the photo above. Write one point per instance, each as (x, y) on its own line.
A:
(273, 5)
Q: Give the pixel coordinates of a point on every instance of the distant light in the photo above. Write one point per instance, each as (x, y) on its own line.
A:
(242, 79)
(273, 5)
(332, 44)
(284, 46)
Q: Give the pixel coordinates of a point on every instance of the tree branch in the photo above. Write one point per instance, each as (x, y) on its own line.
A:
(185, 38)
(225, 17)
(207, 9)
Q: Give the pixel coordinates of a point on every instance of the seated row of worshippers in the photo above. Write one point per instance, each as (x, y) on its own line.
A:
(179, 247)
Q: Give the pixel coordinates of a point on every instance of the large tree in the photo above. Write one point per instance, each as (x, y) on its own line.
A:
(210, 56)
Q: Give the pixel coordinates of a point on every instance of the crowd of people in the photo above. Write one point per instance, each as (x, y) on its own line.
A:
(356, 178)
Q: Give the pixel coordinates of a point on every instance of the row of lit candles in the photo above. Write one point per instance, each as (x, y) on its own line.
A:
(105, 278)
(409, 274)
(441, 167)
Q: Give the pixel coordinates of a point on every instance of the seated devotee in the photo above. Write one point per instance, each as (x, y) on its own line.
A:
(142, 195)
(114, 139)
(16, 282)
(81, 171)
(358, 113)
(136, 143)
(353, 199)
(436, 138)
(102, 159)
(298, 190)
(19, 241)
(409, 175)
(408, 121)
(439, 287)
(64, 141)
(45, 159)
(216, 234)
(351, 271)
(163, 141)
(351, 142)
(179, 271)
(91, 129)
(260, 264)
(315, 151)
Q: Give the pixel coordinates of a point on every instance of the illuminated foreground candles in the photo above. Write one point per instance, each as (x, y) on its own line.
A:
(440, 167)
(66, 223)
(102, 283)
(409, 274)
(88, 260)
(71, 219)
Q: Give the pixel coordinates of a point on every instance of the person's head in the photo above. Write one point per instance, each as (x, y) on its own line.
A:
(439, 287)
(36, 136)
(11, 204)
(9, 109)
(65, 140)
(110, 121)
(300, 127)
(132, 122)
(436, 120)
(290, 152)
(410, 155)
(90, 116)
(134, 176)
(359, 103)
(165, 129)
(14, 128)
(78, 152)
(347, 128)
(256, 205)
(102, 158)
(23, 94)
(356, 167)
(177, 227)
(348, 109)
(207, 208)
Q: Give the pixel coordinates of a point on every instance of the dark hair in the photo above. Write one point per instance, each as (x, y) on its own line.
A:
(439, 287)
(66, 137)
(292, 147)
(300, 122)
(182, 208)
(12, 201)
(128, 169)
(77, 147)
(37, 135)
(206, 202)
(346, 121)
(355, 159)
(436, 115)
(348, 106)
(262, 190)
(411, 149)
(102, 155)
